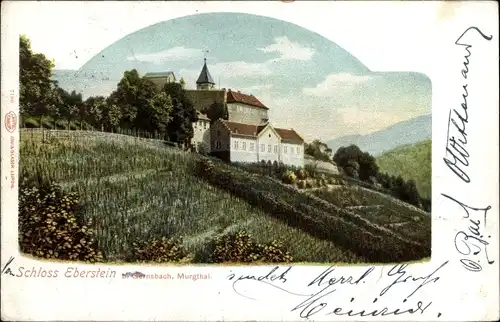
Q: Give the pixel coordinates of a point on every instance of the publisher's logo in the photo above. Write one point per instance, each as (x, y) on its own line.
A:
(10, 121)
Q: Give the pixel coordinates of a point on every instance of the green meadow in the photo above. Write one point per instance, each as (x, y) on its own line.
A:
(132, 189)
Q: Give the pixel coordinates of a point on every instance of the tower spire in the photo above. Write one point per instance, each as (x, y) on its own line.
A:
(205, 80)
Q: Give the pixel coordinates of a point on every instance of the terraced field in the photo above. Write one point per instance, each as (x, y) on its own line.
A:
(143, 189)
(137, 189)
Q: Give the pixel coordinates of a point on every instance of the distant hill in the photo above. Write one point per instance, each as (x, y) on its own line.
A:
(411, 162)
(376, 143)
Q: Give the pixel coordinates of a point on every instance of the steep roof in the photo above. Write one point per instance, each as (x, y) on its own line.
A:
(205, 76)
(289, 135)
(242, 129)
(159, 74)
(286, 135)
(237, 97)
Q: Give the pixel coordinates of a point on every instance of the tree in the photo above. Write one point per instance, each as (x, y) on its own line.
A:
(180, 128)
(318, 150)
(125, 97)
(111, 116)
(217, 111)
(70, 105)
(409, 193)
(146, 91)
(95, 106)
(183, 83)
(161, 109)
(53, 106)
(367, 166)
(36, 92)
(345, 156)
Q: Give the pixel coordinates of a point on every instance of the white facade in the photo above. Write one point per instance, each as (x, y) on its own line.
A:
(201, 136)
(243, 149)
(292, 154)
(267, 147)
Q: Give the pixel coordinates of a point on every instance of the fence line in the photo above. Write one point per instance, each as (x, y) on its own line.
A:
(72, 134)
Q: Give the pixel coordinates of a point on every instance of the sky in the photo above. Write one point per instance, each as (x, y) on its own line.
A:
(308, 82)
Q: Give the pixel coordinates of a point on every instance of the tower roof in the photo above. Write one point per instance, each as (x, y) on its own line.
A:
(205, 77)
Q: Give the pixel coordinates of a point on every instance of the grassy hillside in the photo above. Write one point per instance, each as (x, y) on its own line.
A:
(410, 162)
(138, 190)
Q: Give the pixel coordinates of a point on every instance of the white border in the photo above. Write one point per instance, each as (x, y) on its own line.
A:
(385, 36)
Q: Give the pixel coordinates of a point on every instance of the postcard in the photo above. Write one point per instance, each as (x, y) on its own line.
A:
(249, 161)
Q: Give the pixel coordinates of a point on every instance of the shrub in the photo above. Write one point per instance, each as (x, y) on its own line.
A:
(301, 174)
(49, 226)
(312, 170)
(301, 184)
(318, 217)
(289, 177)
(160, 250)
(241, 248)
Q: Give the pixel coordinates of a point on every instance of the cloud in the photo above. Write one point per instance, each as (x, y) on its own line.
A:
(288, 50)
(334, 82)
(227, 71)
(175, 53)
(259, 87)
(240, 68)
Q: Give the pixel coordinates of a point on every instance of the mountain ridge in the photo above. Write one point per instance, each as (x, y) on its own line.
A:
(406, 132)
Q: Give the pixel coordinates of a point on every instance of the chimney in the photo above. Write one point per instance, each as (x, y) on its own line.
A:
(239, 92)
(229, 90)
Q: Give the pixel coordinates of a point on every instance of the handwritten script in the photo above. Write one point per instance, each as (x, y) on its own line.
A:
(456, 154)
(471, 242)
(325, 293)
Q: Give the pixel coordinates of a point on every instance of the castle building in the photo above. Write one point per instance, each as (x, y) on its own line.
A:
(161, 78)
(247, 135)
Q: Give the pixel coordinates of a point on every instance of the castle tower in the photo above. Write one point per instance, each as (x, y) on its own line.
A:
(205, 81)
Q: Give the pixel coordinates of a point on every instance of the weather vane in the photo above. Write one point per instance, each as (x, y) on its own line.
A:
(205, 52)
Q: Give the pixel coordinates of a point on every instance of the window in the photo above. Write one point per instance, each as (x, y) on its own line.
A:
(218, 133)
(217, 144)
(251, 146)
(291, 150)
(269, 148)
(298, 150)
(262, 147)
(275, 149)
(285, 149)
(236, 145)
(244, 146)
